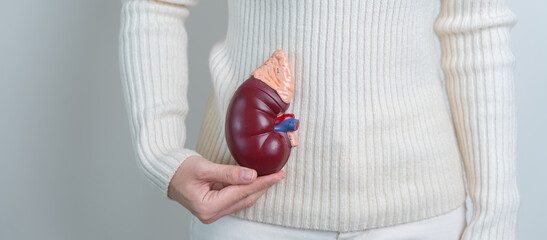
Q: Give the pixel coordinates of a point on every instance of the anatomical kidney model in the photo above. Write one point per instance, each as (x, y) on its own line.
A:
(258, 133)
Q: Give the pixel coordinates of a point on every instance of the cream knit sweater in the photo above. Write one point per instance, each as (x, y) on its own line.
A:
(378, 145)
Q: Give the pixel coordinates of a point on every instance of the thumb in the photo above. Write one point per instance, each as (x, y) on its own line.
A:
(230, 174)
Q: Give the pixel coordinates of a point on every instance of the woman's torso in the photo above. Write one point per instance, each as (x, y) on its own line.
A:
(377, 145)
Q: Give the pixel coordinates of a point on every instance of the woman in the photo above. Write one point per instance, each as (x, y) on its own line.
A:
(380, 154)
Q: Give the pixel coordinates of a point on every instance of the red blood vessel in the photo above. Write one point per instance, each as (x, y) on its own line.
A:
(252, 113)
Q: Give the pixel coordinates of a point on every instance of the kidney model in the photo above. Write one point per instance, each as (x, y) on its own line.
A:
(258, 133)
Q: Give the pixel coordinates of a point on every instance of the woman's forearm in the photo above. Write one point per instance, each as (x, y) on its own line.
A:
(478, 65)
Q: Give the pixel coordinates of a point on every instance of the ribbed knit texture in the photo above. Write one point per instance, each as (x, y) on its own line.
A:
(378, 145)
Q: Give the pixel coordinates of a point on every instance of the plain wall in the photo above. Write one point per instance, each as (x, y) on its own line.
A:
(68, 168)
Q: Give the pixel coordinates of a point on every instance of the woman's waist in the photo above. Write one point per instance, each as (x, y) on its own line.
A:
(338, 120)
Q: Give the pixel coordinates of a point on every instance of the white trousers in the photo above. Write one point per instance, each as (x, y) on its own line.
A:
(448, 226)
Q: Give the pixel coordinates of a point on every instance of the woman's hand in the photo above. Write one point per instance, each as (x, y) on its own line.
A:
(210, 190)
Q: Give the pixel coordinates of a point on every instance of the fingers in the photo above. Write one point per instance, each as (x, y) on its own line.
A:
(244, 200)
(244, 203)
(233, 194)
(222, 173)
(228, 188)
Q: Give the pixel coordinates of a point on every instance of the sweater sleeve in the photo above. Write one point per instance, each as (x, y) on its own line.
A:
(154, 69)
(478, 66)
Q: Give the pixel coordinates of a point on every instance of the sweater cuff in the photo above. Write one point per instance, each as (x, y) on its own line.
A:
(161, 177)
(494, 221)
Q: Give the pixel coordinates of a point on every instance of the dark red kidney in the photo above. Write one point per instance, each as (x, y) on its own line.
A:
(249, 128)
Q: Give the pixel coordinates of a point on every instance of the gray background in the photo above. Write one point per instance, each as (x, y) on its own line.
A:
(68, 170)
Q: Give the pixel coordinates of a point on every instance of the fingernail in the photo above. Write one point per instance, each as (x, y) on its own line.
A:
(246, 174)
